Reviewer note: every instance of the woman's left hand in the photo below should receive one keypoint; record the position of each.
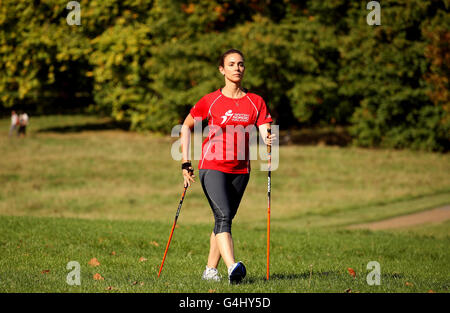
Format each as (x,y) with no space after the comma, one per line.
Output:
(270,139)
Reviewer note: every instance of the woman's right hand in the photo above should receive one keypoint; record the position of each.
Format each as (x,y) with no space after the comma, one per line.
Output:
(188,176)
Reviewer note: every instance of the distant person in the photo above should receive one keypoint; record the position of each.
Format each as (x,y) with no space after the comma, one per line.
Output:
(23,122)
(14,123)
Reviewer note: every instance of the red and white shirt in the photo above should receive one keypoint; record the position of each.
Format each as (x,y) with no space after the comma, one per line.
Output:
(226,149)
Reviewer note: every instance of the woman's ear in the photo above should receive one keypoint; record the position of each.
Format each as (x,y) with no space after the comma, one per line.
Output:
(221,70)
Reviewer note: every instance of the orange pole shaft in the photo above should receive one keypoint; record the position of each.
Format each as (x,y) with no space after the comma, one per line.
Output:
(167,248)
(268,242)
(173,228)
(268,206)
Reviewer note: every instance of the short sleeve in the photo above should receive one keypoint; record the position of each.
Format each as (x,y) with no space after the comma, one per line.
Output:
(200,109)
(264,114)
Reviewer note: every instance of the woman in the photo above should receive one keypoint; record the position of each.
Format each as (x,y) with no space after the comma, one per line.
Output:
(224,175)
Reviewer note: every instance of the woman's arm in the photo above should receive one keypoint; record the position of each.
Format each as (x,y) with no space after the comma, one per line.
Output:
(185,134)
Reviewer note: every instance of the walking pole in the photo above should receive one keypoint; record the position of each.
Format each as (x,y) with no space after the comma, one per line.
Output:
(268,202)
(173,227)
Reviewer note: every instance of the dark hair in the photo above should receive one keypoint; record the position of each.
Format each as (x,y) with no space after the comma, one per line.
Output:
(231,51)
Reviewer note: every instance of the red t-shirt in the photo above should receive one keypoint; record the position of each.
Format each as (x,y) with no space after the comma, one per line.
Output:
(228,151)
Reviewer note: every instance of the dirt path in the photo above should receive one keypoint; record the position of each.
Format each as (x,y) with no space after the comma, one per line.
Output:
(431,216)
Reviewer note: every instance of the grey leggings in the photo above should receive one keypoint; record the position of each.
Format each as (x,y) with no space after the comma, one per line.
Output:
(224,192)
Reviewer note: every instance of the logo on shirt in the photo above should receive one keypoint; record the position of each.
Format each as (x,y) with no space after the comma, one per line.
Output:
(235,117)
(241,118)
(227,116)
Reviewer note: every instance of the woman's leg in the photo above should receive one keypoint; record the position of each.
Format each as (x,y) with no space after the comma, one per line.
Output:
(236,187)
(224,193)
(214,252)
(220,245)
(224,242)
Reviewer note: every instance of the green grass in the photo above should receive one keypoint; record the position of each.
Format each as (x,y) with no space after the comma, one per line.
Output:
(302,261)
(77,188)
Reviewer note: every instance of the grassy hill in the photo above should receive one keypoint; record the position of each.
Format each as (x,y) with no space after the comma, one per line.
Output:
(79,187)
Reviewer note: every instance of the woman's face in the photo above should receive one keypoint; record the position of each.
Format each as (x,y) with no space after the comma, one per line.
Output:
(233,67)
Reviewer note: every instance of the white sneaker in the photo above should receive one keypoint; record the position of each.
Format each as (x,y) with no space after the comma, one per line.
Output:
(211,274)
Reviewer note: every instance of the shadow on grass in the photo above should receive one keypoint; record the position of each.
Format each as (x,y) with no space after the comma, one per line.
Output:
(290,276)
(100,126)
(338,136)
(314,275)
(305,275)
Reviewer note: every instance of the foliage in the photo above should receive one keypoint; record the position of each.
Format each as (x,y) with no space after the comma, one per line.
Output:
(387,77)
(315,62)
